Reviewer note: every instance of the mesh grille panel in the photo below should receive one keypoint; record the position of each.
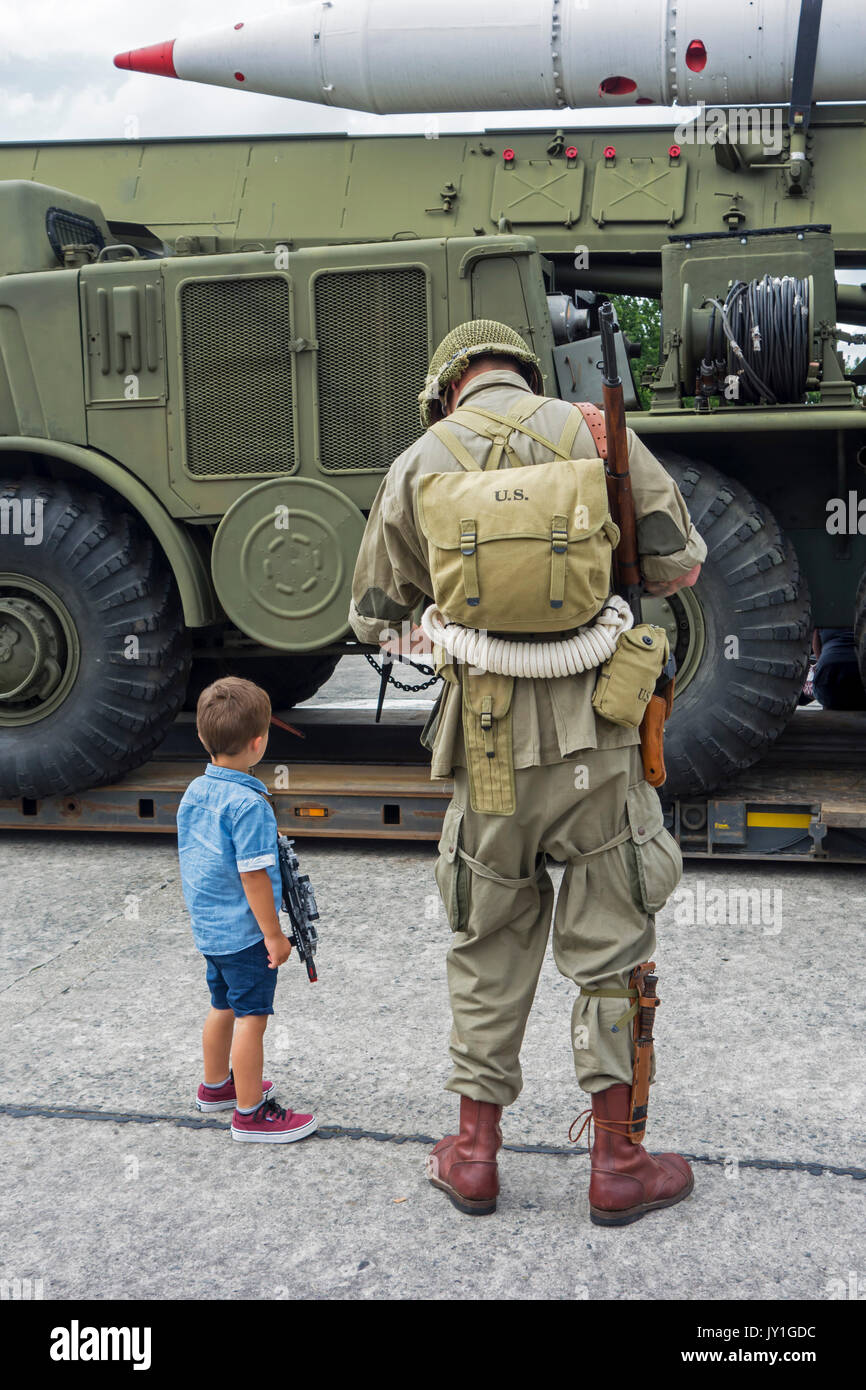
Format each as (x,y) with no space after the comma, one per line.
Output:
(237,377)
(71,229)
(373,357)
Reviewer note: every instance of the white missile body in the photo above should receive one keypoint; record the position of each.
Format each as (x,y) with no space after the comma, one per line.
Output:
(399,56)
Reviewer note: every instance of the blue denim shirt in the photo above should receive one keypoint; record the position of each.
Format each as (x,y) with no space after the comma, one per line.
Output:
(225,827)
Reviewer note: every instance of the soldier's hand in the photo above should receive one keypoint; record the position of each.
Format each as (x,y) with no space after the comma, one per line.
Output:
(663,588)
(418,644)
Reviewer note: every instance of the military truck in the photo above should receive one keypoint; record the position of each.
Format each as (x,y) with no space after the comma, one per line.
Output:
(211,352)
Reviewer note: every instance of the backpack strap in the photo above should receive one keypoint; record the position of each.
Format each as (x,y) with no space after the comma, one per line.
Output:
(455,447)
(595,419)
(484,423)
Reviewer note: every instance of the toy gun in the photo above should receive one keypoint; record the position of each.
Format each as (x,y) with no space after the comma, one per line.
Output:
(300,903)
(626,560)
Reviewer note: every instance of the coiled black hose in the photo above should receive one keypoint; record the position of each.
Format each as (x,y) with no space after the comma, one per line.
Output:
(766,323)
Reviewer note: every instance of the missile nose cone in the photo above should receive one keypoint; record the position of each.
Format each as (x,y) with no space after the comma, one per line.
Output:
(158,59)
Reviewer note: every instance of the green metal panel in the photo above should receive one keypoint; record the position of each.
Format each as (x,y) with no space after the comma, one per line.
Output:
(40,355)
(310,190)
(640,189)
(124,340)
(538,192)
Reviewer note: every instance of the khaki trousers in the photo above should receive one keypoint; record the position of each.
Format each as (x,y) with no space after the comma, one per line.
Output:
(499,899)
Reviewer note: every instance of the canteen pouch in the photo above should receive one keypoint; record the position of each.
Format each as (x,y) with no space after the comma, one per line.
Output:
(487,735)
(626,682)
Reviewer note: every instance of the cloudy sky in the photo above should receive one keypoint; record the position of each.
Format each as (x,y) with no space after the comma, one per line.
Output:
(58,81)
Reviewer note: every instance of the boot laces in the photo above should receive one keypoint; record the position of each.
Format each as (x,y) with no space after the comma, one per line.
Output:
(609,1125)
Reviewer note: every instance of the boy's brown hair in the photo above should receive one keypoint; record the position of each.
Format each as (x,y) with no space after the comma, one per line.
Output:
(230,714)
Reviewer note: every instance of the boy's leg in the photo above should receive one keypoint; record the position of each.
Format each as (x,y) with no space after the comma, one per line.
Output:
(248,1059)
(216,1042)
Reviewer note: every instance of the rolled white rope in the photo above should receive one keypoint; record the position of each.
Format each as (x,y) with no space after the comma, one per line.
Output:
(590,647)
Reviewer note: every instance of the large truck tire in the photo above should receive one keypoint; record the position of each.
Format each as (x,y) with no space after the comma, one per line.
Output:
(94,656)
(742,635)
(860,627)
(288,680)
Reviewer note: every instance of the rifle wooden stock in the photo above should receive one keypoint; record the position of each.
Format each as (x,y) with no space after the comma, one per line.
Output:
(626,562)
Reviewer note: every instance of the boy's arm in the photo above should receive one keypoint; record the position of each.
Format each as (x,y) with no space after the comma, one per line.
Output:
(254,833)
(260,896)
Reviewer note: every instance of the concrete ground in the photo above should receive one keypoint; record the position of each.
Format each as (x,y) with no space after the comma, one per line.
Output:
(115,1187)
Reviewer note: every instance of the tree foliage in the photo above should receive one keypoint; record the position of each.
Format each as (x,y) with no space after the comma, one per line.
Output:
(641,322)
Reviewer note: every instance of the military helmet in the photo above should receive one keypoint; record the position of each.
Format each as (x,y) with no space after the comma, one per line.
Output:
(480,338)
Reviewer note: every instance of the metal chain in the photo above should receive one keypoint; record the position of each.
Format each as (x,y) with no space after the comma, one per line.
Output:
(398,685)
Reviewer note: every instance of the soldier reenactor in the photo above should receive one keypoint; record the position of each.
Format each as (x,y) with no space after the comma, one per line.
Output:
(518,558)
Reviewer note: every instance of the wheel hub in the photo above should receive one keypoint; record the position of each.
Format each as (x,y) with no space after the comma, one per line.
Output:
(38,650)
(682,618)
(29,650)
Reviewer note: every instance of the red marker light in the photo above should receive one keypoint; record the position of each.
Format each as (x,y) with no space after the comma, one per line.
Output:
(610,152)
(239,77)
(674,151)
(509,156)
(571,152)
(157,59)
(239,26)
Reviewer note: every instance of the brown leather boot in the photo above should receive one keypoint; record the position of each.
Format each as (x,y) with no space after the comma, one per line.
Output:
(626,1181)
(464,1164)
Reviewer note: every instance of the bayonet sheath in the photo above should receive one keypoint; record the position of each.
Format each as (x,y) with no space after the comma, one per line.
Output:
(645,982)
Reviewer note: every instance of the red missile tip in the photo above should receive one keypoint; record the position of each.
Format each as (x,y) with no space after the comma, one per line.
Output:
(508,156)
(158,59)
(571,152)
(674,151)
(610,152)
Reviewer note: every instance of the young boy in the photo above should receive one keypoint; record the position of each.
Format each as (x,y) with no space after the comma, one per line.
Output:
(227,842)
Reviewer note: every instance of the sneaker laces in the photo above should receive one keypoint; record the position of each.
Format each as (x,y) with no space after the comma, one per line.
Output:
(267,1109)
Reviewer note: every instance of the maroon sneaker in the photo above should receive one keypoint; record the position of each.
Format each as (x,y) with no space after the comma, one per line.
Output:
(270,1124)
(225,1097)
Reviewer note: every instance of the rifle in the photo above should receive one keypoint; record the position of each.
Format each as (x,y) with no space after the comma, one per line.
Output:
(626,560)
(300,903)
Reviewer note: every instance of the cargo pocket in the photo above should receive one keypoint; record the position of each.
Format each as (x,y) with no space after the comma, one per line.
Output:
(655,861)
(452,874)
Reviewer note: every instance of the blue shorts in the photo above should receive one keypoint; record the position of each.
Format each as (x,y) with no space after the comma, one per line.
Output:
(243,982)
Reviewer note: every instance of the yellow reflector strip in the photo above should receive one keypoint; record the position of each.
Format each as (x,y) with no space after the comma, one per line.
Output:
(779,820)
(310,811)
